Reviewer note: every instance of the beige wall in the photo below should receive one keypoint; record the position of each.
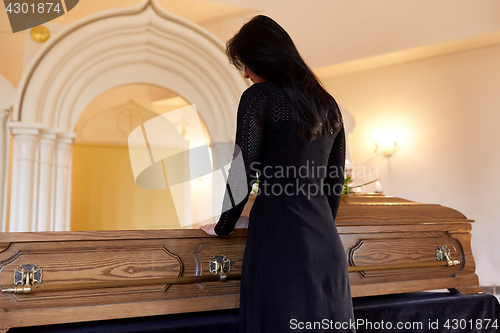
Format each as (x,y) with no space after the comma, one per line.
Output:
(446,110)
(328,32)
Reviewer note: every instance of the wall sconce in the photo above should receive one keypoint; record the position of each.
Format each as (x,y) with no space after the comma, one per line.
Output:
(385,143)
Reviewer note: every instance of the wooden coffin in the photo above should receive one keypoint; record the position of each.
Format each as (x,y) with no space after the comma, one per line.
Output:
(390,244)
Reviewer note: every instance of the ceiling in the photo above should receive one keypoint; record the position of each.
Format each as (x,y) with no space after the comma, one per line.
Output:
(329,32)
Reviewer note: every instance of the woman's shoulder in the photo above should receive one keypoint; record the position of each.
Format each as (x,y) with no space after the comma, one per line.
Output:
(261,87)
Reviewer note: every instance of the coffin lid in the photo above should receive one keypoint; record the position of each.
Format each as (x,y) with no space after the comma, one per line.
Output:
(375,208)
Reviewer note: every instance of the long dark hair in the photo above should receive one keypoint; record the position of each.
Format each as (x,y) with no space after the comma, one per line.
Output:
(268,51)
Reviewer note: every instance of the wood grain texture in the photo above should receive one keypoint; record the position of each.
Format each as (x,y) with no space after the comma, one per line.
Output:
(47,316)
(59,236)
(374,230)
(95,261)
(411,285)
(4,246)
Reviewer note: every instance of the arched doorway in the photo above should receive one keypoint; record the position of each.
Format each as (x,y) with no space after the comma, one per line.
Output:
(140,44)
(104,194)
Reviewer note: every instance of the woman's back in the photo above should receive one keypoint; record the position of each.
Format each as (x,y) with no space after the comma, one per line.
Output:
(294,268)
(289,130)
(286,155)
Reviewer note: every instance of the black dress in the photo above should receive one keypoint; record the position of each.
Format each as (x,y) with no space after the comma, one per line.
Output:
(294,271)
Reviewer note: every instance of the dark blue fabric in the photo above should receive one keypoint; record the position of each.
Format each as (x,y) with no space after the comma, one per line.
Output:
(437,312)
(224,321)
(421,307)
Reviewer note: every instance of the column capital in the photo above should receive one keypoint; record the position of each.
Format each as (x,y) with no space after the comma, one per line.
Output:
(49,133)
(66,137)
(19,127)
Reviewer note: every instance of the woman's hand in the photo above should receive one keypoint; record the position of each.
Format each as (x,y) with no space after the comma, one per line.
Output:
(242,222)
(209,229)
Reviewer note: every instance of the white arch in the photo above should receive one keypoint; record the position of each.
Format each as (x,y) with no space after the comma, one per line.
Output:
(7,96)
(139,44)
(7,93)
(144,44)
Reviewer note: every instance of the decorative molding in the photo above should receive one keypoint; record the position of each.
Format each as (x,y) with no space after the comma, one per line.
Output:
(409,55)
(25,128)
(181,264)
(414,249)
(139,44)
(350,255)
(144,44)
(198,264)
(7,94)
(10,260)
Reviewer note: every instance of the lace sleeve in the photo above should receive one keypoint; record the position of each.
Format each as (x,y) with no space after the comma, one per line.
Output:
(334,181)
(249,138)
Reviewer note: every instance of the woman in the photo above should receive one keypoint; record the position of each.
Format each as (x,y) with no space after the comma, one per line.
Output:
(290,131)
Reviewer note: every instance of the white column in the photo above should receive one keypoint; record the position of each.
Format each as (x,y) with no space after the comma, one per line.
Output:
(68,187)
(23,186)
(63,182)
(4,157)
(45,179)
